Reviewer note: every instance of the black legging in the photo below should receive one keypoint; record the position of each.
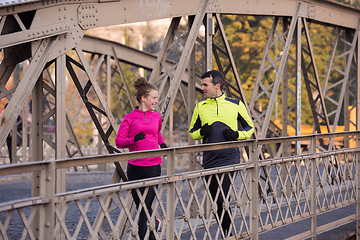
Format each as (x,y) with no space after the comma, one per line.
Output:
(9,145)
(137,173)
(213,188)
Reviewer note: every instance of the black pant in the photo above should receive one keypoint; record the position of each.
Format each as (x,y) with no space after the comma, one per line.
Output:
(9,145)
(137,173)
(214,188)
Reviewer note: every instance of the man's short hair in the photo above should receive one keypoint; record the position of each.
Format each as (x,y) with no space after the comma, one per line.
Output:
(216,77)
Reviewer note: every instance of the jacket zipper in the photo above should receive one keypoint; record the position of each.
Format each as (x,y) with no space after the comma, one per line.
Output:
(145,117)
(217,108)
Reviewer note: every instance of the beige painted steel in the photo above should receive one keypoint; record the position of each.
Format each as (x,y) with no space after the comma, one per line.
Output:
(313,184)
(93,14)
(51,15)
(26,84)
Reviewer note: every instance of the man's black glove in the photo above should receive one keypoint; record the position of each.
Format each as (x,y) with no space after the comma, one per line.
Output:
(139,136)
(205,130)
(163,145)
(230,135)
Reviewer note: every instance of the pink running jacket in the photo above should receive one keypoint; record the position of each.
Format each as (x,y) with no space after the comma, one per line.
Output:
(135,122)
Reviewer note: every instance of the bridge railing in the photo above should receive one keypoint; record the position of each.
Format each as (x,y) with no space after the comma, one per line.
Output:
(263,195)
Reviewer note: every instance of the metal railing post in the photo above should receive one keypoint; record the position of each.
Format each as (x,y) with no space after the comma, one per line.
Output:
(313,189)
(47,212)
(170,195)
(254,186)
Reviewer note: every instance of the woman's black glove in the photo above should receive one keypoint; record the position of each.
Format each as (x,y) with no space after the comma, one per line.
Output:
(163,145)
(230,135)
(139,136)
(205,130)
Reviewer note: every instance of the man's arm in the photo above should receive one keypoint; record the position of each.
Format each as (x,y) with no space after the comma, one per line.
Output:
(246,122)
(195,125)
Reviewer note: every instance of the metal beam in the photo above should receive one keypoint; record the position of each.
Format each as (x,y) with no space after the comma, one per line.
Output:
(27,83)
(93,13)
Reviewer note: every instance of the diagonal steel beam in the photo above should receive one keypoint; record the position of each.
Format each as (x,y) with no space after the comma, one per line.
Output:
(27,83)
(283,60)
(184,59)
(97,89)
(123,79)
(164,51)
(231,59)
(320,111)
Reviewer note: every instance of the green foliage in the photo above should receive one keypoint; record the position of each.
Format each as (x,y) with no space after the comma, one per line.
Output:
(352,3)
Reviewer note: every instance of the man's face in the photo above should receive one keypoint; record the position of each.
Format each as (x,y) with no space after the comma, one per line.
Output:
(210,90)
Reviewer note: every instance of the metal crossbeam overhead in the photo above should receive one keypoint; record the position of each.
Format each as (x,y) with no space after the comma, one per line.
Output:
(122,12)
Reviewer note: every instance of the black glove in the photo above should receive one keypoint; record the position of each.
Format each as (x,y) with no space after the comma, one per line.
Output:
(230,135)
(163,145)
(205,130)
(139,136)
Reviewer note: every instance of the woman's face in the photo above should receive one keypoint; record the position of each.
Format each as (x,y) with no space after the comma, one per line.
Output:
(149,103)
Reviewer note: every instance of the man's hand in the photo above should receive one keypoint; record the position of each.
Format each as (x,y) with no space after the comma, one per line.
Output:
(230,135)
(205,130)
(163,145)
(139,136)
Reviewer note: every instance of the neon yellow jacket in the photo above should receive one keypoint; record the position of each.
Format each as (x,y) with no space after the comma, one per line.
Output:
(220,113)
(225,110)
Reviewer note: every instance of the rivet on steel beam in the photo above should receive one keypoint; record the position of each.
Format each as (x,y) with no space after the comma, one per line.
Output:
(48,178)
(253,217)
(47,224)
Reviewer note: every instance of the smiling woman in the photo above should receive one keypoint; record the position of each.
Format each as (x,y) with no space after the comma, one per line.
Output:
(140,130)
